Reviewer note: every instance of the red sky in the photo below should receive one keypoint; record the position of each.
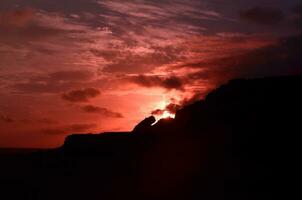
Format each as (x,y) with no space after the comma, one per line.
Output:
(74,66)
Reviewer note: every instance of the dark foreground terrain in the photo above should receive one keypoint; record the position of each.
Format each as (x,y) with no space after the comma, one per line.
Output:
(241,142)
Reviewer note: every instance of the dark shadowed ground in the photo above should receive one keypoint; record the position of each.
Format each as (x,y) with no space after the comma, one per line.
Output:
(241,142)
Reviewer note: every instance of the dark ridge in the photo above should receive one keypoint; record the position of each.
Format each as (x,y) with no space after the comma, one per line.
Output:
(239,143)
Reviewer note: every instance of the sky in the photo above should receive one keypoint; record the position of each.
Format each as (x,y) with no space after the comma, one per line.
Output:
(89,66)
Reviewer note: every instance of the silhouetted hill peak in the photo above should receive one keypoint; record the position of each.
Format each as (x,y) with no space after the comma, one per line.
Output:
(233,145)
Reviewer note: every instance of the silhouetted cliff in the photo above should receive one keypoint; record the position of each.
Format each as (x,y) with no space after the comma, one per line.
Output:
(235,144)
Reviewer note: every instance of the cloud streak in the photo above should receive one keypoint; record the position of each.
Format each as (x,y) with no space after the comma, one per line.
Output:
(169,82)
(81,95)
(102,111)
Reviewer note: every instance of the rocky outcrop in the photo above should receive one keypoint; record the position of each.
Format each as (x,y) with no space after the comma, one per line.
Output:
(145,125)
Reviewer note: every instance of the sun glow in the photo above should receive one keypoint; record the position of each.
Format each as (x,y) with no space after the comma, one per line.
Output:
(167,114)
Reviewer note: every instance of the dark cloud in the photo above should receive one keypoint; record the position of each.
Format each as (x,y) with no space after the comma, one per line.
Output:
(158,112)
(298,9)
(262,15)
(173,107)
(22,26)
(6,119)
(170,82)
(81,95)
(103,111)
(297,18)
(196,97)
(16,18)
(75,128)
